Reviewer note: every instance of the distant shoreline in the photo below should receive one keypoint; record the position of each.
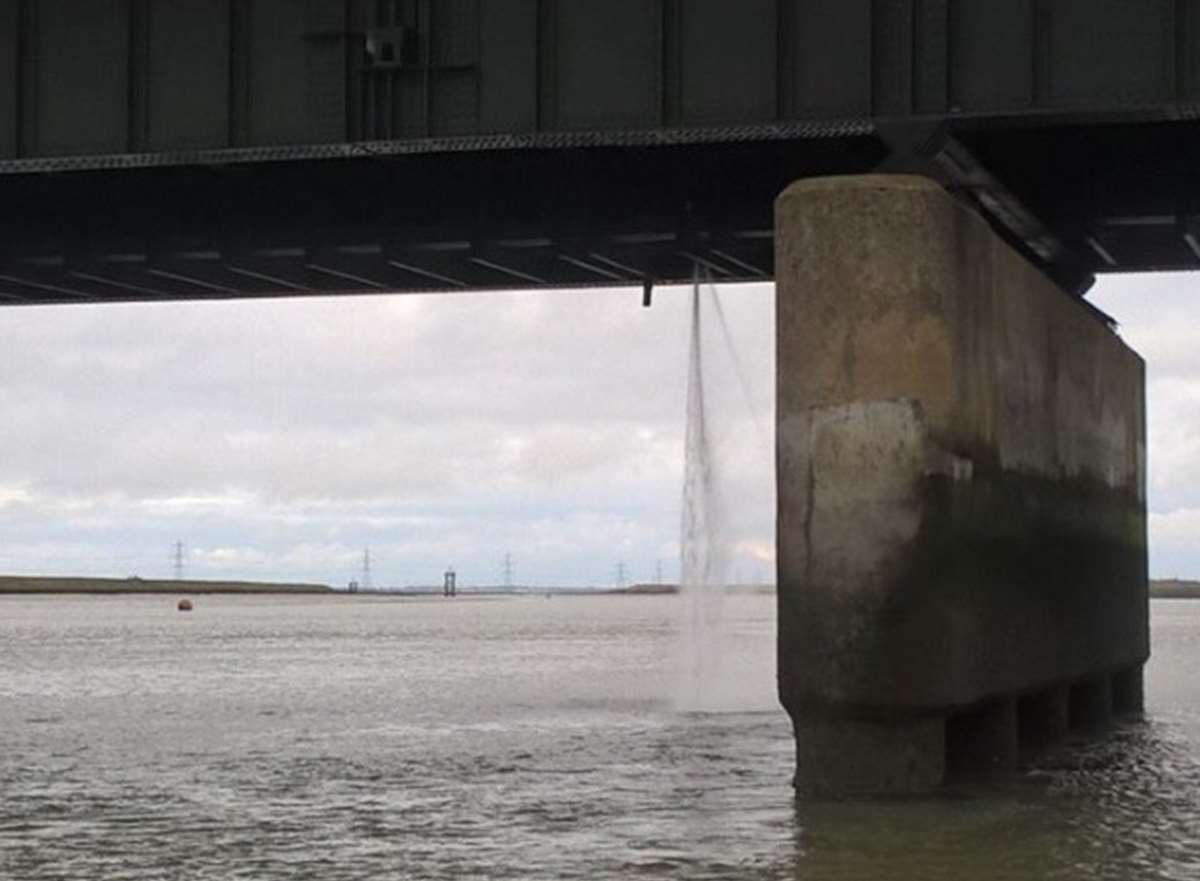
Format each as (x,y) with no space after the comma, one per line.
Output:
(674,588)
(21,584)
(1174,589)
(1167,588)
(643,589)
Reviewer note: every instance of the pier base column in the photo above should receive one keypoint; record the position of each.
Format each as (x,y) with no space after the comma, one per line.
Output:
(885,758)
(1092,703)
(1128,692)
(983,740)
(1044,718)
(960,474)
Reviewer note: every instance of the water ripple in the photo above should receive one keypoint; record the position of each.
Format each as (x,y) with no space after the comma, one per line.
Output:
(142,755)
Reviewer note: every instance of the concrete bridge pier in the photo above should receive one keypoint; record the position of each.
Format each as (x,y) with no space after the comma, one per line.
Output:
(961,485)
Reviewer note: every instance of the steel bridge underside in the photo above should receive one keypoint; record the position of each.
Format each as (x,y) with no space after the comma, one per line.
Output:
(243,148)
(1077,198)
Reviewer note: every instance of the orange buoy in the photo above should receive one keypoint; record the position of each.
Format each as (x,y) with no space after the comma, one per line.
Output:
(185,605)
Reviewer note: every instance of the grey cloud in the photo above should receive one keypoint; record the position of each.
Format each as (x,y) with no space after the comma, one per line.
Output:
(1157,316)
(280,437)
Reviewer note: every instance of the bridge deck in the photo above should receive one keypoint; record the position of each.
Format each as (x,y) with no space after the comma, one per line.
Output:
(227,148)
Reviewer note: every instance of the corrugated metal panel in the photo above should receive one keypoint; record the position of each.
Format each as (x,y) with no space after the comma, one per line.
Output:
(383,49)
(409,108)
(278,71)
(930,86)
(294,74)
(1188,50)
(454,33)
(508,65)
(729,66)
(188,75)
(992,51)
(454,104)
(405,92)
(108,77)
(608,63)
(325,42)
(137,130)
(832,58)
(892,57)
(80,87)
(454,67)
(9,27)
(1110,51)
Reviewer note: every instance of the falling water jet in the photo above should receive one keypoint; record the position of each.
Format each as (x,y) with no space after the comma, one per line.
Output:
(704,562)
(718,438)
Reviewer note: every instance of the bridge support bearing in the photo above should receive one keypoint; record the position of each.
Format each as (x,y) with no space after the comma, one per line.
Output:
(960,470)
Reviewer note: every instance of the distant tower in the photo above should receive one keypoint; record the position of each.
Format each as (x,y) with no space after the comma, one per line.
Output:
(177,560)
(366,569)
(508,567)
(658,571)
(449,583)
(621,574)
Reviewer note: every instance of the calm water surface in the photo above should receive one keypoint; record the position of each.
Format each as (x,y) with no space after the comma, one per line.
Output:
(338,738)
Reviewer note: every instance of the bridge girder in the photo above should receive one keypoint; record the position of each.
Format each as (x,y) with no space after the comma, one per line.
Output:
(285,147)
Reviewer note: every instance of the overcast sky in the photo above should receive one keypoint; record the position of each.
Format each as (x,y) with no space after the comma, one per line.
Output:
(277,439)
(1159,316)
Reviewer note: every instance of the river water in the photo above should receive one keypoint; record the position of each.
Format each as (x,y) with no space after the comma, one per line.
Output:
(349,737)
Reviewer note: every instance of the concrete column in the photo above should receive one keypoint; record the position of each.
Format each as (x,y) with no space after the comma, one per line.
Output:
(889,758)
(1043,719)
(960,471)
(1092,703)
(983,740)
(1128,692)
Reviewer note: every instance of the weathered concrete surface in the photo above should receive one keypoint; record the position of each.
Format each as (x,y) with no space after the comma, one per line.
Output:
(961,483)
(1045,716)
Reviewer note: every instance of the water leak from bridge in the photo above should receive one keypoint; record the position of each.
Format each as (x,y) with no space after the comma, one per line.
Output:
(719,408)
